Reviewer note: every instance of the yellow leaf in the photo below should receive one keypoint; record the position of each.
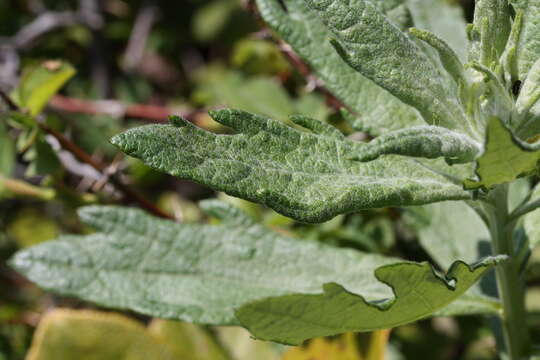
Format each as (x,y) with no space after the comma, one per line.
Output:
(187,341)
(92,335)
(342,348)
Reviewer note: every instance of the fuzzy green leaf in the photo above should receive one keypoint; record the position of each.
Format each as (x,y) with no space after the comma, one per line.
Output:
(198,273)
(450,27)
(490,31)
(303,175)
(452,230)
(528,45)
(382,53)
(424,141)
(448,57)
(505,158)
(379,111)
(528,105)
(418,292)
(192,272)
(531,222)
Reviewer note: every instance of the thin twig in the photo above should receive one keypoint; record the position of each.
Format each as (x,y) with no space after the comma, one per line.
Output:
(153,113)
(44,23)
(114,108)
(114,178)
(313,82)
(144,21)
(10,103)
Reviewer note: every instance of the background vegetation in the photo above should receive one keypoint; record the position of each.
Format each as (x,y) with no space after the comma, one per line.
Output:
(136,62)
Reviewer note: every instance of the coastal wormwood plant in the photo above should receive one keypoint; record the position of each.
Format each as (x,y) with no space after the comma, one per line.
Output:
(454,113)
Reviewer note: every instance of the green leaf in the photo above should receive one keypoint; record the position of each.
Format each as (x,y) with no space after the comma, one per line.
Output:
(490,31)
(528,45)
(424,141)
(186,341)
(379,111)
(42,157)
(527,123)
(211,19)
(379,51)
(7,152)
(449,231)
(197,273)
(302,175)
(505,158)
(448,57)
(531,222)
(450,27)
(40,83)
(418,292)
(87,335)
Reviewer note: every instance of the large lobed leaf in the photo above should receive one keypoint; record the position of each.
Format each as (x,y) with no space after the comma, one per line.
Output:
(419,291)
(202,273)
(505,157)
(300,27)
(307,176)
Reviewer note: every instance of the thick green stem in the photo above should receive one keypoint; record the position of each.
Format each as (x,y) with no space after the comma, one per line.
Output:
(511,285)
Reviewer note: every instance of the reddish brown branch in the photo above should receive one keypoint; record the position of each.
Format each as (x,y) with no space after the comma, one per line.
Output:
(298,63)
(306,72)
(153,113)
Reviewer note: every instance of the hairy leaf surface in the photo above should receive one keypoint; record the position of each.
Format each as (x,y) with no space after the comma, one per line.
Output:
(382,53)
(452,230)
(531,222)
(197,273)
(300,174)
(450,27)
(299,26)
(528,105)
(528,45)
(423,141)
(418,289)
(505,158)
(490,31)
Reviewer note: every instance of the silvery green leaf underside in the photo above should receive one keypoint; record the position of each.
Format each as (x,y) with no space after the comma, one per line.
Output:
(203,273)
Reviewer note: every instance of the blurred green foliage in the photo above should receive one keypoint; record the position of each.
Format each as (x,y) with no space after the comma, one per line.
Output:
(199,54)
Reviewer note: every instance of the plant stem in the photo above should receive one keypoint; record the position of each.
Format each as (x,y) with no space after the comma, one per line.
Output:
(511,285)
